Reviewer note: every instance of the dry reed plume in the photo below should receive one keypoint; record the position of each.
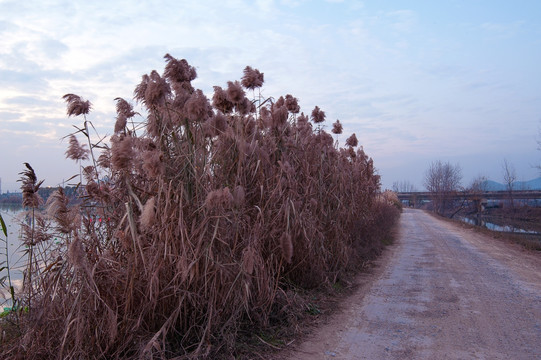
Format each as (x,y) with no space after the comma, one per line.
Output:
(210,210)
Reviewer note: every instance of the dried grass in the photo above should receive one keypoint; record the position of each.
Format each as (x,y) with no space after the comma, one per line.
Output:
(240,203)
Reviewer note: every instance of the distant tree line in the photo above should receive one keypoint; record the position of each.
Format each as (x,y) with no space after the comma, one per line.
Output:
(443,181)
(11,198)
(44,193)
(403,186)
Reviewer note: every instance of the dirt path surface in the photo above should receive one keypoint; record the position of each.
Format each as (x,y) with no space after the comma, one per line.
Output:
(442,292)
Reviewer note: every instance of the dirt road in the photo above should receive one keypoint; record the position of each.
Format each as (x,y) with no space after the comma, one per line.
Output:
(442,292)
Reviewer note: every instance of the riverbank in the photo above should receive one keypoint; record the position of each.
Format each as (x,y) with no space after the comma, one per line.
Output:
(498,223)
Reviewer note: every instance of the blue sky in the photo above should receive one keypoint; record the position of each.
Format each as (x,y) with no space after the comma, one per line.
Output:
(417,81)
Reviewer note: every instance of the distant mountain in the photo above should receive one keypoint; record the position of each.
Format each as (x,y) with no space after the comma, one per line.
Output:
(534,184)
(490,185)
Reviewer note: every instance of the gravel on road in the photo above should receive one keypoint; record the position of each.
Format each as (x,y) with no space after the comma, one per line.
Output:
(441,292)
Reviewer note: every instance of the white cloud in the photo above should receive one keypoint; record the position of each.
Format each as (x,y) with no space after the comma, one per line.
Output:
(502,30)
(402,20)
(400,85)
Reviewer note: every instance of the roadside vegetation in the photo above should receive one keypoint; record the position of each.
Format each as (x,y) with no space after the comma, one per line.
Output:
(197,223)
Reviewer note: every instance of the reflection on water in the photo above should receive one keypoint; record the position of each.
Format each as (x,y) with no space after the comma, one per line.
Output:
(12,215)
(480,221)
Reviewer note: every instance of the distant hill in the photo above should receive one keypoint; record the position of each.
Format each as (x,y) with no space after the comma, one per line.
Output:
(534,184)
(490,185)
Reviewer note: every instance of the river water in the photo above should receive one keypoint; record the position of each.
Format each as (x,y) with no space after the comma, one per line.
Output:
(12,215)
(484,222)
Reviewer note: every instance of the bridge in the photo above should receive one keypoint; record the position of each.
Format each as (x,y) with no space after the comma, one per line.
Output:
(477,197)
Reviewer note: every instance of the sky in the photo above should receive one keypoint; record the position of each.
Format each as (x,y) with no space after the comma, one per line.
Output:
(416,81)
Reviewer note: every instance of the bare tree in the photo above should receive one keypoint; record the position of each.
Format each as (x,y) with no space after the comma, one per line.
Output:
(478,185)
(403,186)
(442,180)
(509,177)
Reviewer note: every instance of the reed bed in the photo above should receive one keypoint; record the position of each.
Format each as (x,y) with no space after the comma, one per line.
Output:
(211,211)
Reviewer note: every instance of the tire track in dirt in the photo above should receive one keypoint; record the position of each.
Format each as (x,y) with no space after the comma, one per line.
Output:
(444,293)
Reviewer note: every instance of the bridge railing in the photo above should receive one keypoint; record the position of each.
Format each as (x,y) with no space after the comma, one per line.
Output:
(470,195)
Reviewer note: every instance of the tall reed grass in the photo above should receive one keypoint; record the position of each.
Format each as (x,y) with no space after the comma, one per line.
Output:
(210,210)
